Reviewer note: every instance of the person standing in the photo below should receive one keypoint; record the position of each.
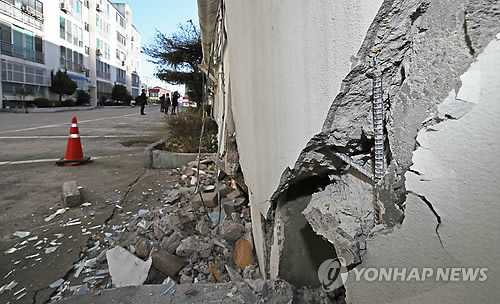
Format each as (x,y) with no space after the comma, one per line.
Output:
(167,103)
(162,103)
(175,101)
(143,101)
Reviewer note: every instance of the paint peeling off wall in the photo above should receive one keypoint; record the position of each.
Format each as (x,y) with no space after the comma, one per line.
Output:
(455,181)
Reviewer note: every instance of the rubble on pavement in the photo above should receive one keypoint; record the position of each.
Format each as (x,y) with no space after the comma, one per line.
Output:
(170,241)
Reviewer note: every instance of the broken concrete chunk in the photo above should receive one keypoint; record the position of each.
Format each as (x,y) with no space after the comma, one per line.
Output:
(202,226)
(142,247)
(209,198)
(192,245)
(71,194)
(234,194)
(21,234)
(52,216)
(343,214)
(232,231)
(167,263)
(125,268)
(57,283)
(170,243)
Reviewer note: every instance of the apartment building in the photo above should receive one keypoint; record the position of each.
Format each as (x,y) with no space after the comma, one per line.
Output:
(93,40)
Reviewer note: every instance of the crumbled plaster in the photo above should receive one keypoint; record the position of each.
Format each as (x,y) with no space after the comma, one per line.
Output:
(343,214)
(422,47)
(453,180)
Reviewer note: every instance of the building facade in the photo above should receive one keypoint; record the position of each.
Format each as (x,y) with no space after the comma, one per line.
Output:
(156,92)
(93,40)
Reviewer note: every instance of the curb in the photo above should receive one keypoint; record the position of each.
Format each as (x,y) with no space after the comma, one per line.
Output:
(154,158)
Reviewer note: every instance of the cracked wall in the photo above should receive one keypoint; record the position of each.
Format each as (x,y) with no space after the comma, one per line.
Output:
(455,171)
(284,72)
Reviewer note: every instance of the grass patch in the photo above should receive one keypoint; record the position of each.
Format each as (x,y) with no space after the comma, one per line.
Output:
(185,131)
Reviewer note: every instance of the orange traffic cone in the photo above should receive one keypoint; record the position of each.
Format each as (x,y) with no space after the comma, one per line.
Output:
(74,153)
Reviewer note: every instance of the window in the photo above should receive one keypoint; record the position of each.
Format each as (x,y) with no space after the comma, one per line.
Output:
(14,72)
(78,7)
(62,28)
(121,76)
(121,39)
(86,3)
(86,26)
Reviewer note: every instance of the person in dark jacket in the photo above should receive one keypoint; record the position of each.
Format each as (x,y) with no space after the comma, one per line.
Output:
(162,103)
(143,100)
(175,101)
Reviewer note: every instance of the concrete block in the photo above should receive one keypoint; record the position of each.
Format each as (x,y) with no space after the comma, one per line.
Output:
(71,194)
(125,268)
(169,264)
(210,199)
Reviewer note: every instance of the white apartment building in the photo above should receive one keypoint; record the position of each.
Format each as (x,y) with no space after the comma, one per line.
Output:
(93,40)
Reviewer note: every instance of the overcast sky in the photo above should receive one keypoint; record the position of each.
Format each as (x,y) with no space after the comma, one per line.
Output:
(164,15)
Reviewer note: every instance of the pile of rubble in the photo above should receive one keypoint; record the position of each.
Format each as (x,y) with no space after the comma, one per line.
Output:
(186,238)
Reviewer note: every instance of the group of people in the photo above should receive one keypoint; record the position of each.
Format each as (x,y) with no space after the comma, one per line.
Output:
(165,102)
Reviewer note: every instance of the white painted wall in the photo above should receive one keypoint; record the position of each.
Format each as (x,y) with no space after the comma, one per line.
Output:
(287,61)
(460,167)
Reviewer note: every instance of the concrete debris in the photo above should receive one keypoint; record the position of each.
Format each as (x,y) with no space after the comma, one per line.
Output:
(167,263)
(52,216)
(125,268)
(209,198)
(21,234)
(142,247)
(71,194)
(343,214)
(216,218)
(8,286)
(57,283)
(232,231)
(50,250)
(11,250)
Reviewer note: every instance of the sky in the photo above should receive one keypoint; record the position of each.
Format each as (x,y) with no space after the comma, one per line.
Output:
(164,15)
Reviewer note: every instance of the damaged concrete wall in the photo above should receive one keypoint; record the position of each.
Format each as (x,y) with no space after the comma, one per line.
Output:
(286,63)
(455,171)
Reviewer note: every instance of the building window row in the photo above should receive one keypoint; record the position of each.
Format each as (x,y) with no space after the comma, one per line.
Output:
(121,39)
(73,7)
(27,11)
(20,73)
(21,43)
(70,32)
(120,20)
(135,80)
(121,76)
(102,25)
(103,49)
(103,69)
(104,90)
(71,60)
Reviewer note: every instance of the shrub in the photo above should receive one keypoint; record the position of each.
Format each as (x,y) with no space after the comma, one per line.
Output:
(82,98)
(120,93)
(185,131)
(43,102)
(68,103)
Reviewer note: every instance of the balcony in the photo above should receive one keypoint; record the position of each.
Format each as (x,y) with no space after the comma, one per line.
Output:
(121,80)
(103,75)
(21,52)
(26,15)
(73,66)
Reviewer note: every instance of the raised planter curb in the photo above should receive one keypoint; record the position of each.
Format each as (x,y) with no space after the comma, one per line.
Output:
(156,158)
